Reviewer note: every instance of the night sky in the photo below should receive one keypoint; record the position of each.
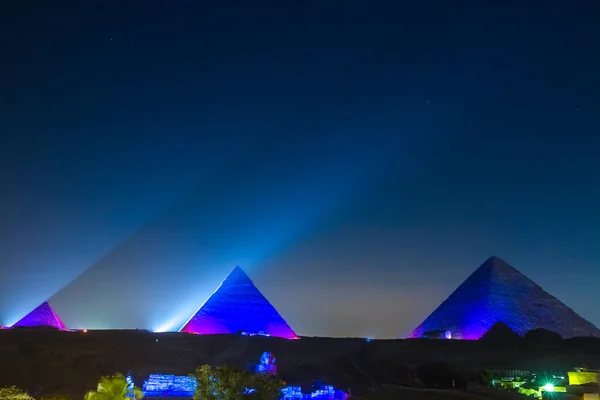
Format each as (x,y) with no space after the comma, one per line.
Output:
(358,159)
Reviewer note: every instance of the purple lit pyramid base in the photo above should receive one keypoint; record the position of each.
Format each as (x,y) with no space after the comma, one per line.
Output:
(238,306)
(497,292)
(42,316)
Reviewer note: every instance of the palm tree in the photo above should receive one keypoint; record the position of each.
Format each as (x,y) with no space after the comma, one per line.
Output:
(114,387)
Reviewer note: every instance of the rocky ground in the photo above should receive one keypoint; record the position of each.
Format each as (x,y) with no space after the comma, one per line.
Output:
(70,363)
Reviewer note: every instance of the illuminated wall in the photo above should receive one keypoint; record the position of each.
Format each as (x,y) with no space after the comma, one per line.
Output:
(496,292)
(43,315)
(321,393)
(159,385)
(582,378)
(238,306)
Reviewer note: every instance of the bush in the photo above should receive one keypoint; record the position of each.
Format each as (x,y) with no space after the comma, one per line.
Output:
(113,387)
(228,383)
(529,392)
(485,377)
(14,393)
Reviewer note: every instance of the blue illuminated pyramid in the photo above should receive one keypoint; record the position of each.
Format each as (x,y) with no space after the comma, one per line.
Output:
(497,292)
(42,316)
(238,306)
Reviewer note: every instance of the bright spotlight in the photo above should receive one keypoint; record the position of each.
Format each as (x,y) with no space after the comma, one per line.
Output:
(548,387)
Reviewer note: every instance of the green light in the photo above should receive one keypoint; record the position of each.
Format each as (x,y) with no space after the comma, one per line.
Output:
(548,387)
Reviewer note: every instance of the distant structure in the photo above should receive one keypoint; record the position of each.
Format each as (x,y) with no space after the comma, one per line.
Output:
(497,292)
(42,316)
(584,376)
(500,334)
(237,306)
(318,391)
(159,385)
(441,334)
(267,364)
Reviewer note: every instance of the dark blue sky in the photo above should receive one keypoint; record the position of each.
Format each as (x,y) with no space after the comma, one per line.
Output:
(358,159)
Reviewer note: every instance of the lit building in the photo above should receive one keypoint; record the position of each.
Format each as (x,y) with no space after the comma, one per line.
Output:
(42,316)
(497,292)
(238,307)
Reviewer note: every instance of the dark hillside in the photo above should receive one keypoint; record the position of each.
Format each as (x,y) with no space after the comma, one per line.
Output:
(70,363)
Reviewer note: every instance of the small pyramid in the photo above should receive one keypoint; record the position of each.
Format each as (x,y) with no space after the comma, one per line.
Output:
(497,292)
(541,335)
(43,315)
(238,306)
(501,334)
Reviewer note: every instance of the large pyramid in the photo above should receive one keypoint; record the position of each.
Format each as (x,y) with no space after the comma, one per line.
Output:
(238,306)
(43,315)
(496,292)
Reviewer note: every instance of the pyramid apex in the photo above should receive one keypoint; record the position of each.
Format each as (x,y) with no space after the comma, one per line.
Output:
(494,259)
(496,263)
(237,273)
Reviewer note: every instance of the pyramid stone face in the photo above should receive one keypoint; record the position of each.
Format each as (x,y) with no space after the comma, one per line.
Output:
(238,306)
(43,315)
(496,292)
